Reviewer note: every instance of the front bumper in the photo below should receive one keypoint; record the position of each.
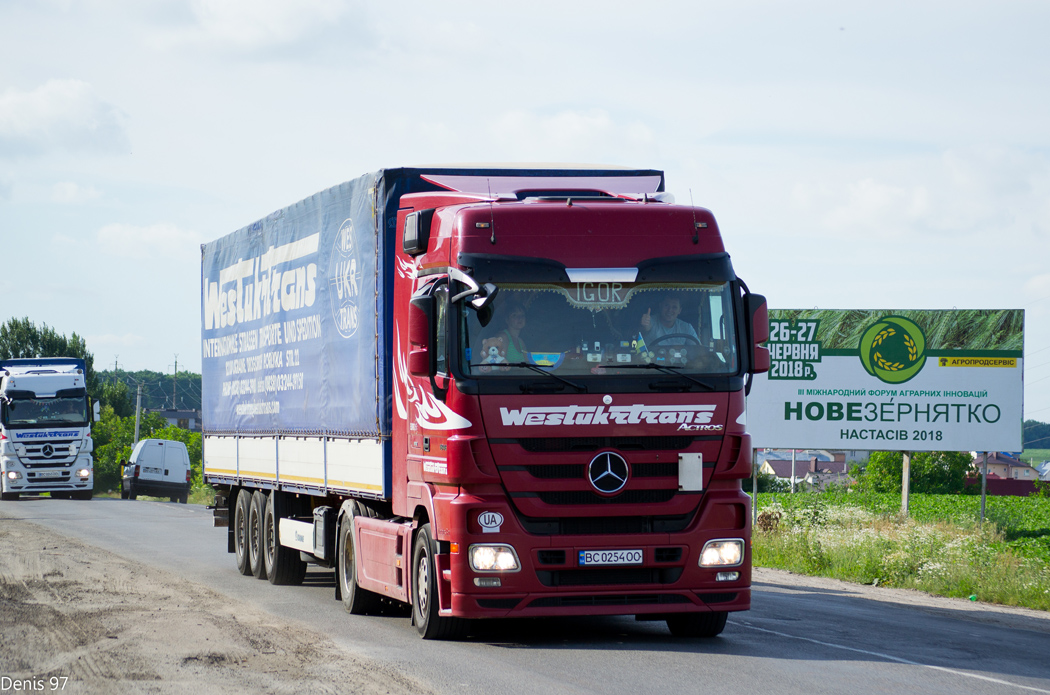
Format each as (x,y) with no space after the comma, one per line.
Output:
(64,478)
(551,581)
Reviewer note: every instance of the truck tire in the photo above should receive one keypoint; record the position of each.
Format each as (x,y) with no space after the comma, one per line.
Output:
(60,495)
(356,600)
(82,494)
(697,624)
(256,513)
(283,565)
(9,496)
(429,623)
(241,513)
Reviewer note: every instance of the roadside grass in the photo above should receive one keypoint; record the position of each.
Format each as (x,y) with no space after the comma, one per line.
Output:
(941,548)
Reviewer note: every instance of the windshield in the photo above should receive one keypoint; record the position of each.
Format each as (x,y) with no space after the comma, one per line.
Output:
(44,412)
(603,328)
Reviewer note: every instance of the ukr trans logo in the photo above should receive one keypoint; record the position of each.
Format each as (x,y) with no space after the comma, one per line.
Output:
(344,281)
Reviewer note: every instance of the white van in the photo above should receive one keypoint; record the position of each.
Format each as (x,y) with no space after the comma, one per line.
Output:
(158,468)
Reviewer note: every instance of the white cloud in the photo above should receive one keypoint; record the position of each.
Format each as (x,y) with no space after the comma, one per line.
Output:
(255,23)
(569,136)
(158,241)
(71,193)
(63,115)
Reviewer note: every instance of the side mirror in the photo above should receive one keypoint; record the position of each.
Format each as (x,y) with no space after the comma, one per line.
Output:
(755,306)
(420,321)
(416,235)
(97,410)
(483,303)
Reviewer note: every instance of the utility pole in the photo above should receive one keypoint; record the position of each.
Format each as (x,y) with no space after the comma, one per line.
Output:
(138,409)
(174,379)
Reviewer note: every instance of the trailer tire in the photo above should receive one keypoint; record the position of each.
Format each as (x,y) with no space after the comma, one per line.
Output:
(425,610)
(284,566)
(241,513)
(256,513)
(697,624)
(356,601)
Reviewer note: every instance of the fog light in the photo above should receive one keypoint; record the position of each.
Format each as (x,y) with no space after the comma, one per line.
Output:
(83,472)
(727,576)
(722,553)
(493,558)
(13,475)
(487,581)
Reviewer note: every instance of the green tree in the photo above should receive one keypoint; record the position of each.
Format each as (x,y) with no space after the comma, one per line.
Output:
(115,394)
(932,472)
(21,338)
(1036,435)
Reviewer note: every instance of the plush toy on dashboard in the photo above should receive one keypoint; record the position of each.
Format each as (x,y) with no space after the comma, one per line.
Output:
(493,350)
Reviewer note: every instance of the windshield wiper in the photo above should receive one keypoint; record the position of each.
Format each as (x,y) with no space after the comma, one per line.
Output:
(536,369)
(667,370)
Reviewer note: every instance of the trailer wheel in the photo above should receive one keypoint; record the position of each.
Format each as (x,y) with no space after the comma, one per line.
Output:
(356,600)
(429,623)
(256,513)
(241,513)
(283,565)
(697,624)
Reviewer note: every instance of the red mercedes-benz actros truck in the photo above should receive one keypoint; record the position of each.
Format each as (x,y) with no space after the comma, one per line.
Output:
(486,393)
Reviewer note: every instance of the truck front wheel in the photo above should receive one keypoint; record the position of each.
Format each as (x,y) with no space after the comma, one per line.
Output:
(697,624)
(256,513)
(241,512)
(356,600)
(283,565)
(9,496)
(425,615)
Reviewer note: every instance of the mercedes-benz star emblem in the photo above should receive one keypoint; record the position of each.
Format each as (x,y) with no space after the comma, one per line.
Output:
(608,473)
(48,451)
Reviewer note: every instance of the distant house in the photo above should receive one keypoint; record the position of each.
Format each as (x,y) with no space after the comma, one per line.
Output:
(1044,470)
(1004,466)
(815,471)
(183,419)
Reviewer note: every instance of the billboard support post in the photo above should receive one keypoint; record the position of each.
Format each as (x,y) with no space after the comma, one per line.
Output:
(984,483)
(905,481)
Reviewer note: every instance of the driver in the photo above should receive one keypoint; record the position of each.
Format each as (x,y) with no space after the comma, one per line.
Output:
(667,323)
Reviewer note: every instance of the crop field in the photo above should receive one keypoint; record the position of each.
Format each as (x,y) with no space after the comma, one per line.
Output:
(941,547)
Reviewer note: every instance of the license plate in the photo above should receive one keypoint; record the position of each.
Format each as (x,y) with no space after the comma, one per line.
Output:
(153,471)
(49,474)
(610,557)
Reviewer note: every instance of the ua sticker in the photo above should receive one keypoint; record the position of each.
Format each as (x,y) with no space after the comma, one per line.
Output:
(490,522)
(893,349)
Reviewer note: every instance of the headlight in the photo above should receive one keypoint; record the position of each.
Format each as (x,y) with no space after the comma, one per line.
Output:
(83,472)
(722,553)
(13,475)
(493,558)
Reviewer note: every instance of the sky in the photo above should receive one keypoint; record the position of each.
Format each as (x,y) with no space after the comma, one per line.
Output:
(856,155)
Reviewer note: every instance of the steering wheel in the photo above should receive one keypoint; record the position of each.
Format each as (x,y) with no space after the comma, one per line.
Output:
(692,339)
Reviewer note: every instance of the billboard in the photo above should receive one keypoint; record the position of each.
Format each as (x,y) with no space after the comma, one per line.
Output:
(910,380)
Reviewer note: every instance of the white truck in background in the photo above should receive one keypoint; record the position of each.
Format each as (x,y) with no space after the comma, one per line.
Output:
(45,428)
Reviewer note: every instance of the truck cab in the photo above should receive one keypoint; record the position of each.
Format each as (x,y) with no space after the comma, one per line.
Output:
(45,428)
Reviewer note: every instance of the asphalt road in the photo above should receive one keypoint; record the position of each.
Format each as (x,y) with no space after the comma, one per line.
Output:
(802,636)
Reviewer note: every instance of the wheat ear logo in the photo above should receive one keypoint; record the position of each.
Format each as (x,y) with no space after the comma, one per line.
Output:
(893,349)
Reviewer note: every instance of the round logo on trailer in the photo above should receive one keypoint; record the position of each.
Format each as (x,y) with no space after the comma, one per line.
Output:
(344,281)
(608,473)
(893,349)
